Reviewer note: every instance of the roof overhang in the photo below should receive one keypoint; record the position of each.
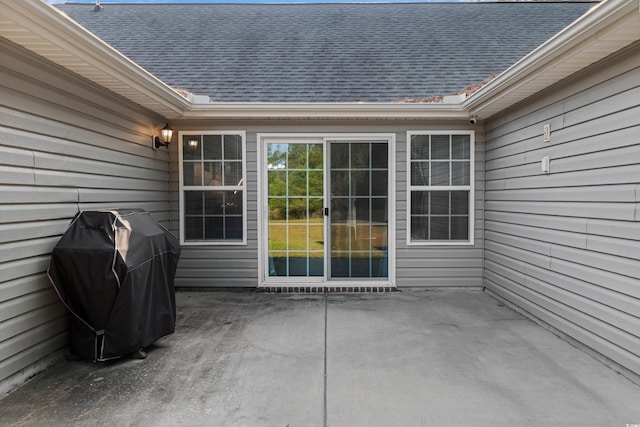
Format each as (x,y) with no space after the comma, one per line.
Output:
(608,27)
(46,31)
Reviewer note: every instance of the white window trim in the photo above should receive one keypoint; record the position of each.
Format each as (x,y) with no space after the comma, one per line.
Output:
(263,211)
(243,242)
(471,189)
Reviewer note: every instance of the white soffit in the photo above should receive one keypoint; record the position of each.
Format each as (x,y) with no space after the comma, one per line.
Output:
(605,29)
(46,31)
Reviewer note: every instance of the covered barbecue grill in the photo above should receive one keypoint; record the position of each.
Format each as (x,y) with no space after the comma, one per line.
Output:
(114,271)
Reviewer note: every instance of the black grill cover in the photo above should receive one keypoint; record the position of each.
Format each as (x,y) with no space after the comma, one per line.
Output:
(114,271)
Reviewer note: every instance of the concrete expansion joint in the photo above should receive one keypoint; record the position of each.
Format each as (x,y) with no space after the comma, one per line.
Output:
(324,392)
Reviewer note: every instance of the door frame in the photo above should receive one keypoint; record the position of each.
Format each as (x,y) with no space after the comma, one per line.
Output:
(263,211)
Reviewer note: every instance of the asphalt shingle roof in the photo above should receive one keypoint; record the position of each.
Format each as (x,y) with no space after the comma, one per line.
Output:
(325,52)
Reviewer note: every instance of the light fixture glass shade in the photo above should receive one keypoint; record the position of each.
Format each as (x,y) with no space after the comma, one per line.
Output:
(167,133)
(192,144)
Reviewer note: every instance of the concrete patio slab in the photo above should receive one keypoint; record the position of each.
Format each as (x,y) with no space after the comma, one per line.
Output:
(236,359)
(461,359)
(411,358)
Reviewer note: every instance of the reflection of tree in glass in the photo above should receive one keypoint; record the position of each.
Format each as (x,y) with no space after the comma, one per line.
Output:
(297,156)
(291,182)
(315,156)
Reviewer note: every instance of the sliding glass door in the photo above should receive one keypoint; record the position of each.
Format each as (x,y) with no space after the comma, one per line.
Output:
(327,213)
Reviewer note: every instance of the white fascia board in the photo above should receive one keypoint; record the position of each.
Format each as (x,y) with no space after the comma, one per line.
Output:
(351,110)
(606,28)
(50,33)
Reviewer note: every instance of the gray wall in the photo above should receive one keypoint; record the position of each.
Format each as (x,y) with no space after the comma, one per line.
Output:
(220,266)
(566,246)
(65,146)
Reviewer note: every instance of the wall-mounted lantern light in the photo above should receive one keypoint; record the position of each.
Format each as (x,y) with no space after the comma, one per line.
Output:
(166,133)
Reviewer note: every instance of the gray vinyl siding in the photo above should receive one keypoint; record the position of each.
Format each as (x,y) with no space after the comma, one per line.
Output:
(65,146)
(416,266)
(566,246)
(440,266)
(219,265)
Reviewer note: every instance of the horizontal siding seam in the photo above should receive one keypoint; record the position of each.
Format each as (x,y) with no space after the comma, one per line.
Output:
(494,234)
(555,263)
(525,236)
(594,251)
(552,267)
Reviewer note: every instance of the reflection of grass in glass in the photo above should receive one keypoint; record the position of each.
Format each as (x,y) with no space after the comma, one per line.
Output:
(362,238)
(299,234)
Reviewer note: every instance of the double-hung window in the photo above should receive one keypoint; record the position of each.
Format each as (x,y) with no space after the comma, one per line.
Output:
(213,187)
(440,190)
